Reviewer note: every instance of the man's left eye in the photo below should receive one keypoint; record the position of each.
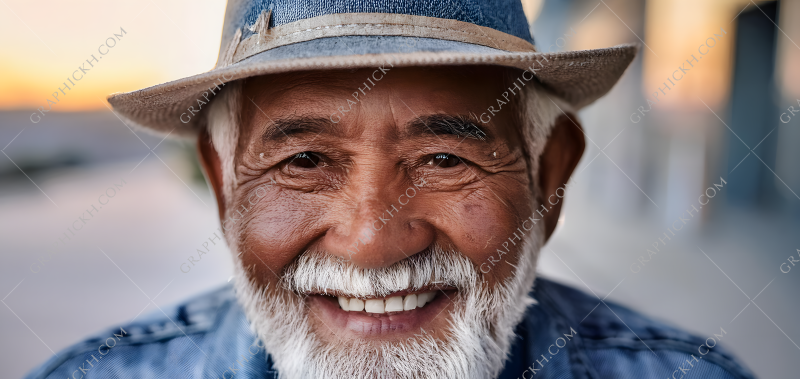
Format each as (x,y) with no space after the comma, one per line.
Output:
(444,160)
(305,159)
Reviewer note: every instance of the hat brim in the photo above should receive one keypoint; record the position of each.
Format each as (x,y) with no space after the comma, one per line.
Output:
(577,77)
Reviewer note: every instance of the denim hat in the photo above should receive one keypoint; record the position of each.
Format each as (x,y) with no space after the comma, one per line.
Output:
(275,36)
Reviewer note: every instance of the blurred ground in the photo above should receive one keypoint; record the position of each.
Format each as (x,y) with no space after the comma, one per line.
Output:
(128,252)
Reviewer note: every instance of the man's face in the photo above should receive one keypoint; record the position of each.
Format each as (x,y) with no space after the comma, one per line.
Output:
(378,191)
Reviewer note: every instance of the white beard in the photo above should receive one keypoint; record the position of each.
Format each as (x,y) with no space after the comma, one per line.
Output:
(479,333)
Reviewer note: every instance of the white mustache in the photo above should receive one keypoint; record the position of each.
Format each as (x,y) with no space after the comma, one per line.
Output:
(321,272)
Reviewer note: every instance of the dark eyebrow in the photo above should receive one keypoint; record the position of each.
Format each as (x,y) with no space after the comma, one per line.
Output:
(459,126)
(281,129)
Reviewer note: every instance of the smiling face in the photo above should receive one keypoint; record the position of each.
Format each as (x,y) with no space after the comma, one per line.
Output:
(364,214)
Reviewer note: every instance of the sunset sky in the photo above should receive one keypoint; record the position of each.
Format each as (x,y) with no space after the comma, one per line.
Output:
(45,42)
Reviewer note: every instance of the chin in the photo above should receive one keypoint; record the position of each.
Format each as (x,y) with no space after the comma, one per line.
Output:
(402,321)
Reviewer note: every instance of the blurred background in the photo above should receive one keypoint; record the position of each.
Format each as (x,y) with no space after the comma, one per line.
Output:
(648,159)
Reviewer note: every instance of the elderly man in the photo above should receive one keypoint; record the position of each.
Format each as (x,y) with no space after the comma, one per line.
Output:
(386,174)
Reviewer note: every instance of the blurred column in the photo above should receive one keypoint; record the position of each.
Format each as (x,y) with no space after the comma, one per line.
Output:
(787,160)
(753,113)
(682,130)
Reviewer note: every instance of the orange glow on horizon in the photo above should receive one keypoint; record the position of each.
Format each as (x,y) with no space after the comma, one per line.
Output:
(161,42)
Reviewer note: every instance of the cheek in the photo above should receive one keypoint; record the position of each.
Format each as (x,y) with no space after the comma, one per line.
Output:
(479,225)
(278,231)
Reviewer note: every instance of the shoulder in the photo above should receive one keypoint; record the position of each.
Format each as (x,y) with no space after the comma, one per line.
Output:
(169,342)
(618,342)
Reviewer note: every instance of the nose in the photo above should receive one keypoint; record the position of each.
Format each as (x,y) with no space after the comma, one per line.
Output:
(379,233)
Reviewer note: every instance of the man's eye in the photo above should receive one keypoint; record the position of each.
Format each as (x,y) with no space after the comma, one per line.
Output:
(305,159)
(444,160)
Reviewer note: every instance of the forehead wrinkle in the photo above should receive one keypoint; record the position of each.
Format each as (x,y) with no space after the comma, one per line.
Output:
(300,90)
(312,113)
(375,119)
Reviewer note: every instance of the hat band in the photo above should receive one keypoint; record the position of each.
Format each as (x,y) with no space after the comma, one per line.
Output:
(367,24)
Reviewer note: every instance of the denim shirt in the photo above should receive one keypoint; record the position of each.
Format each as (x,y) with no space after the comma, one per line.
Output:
(209,337)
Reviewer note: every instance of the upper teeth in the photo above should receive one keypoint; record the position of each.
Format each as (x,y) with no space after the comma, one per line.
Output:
(392,304)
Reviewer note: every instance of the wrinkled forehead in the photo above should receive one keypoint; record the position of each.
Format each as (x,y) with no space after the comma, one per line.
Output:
(396,99)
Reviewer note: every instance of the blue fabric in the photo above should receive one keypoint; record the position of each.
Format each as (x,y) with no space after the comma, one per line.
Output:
(503,15)
(209,337)
(603,345)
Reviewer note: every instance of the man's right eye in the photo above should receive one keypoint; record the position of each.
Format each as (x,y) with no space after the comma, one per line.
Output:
(305,159)
(443,160)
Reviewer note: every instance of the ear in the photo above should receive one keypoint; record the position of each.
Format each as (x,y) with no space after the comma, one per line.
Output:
(212,168)
(558,160)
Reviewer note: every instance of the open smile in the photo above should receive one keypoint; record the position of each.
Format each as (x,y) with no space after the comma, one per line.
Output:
(400,312)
